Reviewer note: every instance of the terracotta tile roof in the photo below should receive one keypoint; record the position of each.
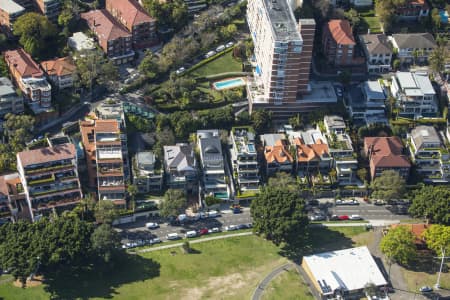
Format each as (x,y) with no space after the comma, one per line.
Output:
(341,31)
(58,152)
(416,229)
(23,63)
(59,67)
(107,126)
(104,26)
(386,152)
(129,12)
(311,152)
(278,153)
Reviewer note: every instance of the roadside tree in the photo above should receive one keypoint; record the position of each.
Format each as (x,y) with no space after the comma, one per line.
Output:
(278,215)
(388,186)
(105,212)
(173,203)
(398,245)
(105,242)
(437,238)
(432,203)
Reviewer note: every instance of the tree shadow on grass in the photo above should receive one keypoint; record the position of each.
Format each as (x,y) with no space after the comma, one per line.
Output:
(99,281)
(317,240)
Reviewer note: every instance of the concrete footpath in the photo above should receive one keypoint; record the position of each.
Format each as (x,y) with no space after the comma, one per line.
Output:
(265,282)
(194,242)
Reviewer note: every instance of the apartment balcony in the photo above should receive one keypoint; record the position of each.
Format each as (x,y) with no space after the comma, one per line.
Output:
(46,179)
(109,171)
(59,203)
(44,169)
(58,189)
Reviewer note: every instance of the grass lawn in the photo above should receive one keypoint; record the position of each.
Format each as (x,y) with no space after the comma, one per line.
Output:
(220,269)
(225,63)
(287,285)
(419,279)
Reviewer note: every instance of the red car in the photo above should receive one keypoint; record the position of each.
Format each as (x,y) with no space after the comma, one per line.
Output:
(203,231)
(343,218)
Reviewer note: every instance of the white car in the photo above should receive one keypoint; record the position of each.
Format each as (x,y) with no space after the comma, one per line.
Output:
(152,225)
(355,217)
(230,44)
(214,230)
(231,228)
(172,236)
(220,48)
(155,241)
(210,53)
(180,70)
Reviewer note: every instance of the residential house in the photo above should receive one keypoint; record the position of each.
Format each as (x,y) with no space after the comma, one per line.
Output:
(29,78)
(334,124)
(134,17)
(180,167)
(81,42)
(13,204)
(378,52)
(147,176)
(10,102)
(49,177)
(414,94)
(244,158)
(276,153)
(430,154)
(413,10)
(113,37)
(341,150)
(212,164)
(312,152)
(9,12)
(375,99)
(61,71)
(338,43)
(413,47)
(386,153)
(49,8)
(104,158)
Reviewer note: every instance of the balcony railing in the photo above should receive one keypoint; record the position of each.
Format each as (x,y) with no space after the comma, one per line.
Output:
(54,190)
(46,169)
(40,181)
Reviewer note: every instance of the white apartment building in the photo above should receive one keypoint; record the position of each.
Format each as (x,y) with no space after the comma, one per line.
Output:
(413,47)
(430,154)
(244,158)
(282,51)
(212,163)
(415,95)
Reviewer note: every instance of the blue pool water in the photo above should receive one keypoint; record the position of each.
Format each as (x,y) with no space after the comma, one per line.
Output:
(221,195)
(228,84)
(444,16)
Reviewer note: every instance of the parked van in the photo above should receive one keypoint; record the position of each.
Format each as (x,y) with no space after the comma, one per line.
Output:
(220,48)
(172,236)
(191,234)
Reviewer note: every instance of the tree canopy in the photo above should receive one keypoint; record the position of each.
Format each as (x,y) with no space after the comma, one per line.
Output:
(93,68)
(437,238)
(105,242)
(35,33)
(438,58)
(278,215)
(173,203)
(388,186)
(398,245)
(105,212)
(432,203)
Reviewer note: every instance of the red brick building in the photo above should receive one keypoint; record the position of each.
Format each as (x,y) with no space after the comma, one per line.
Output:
(386,153)
(338,43)
(133,16)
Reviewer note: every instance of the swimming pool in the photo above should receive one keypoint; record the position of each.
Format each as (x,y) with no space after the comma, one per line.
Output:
(229,83)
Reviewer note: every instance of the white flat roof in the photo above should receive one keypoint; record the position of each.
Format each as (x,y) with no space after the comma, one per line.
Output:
(406,80)
(424,83)
(349,269)
(11,7)
(374,90)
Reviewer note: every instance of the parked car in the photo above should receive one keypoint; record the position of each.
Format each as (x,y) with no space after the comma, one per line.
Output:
(180,70)
(334,218)
(249,225)
(229,44)
(426,289)
(155,241)
(242,226)
(213,214)
(220,48)
(172,236)
(191,234)
(152,225)
(317,217)
(379,202)
(343,218)
(339,202)
(209,54)
(231,228)
(355,217)
(203,231)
